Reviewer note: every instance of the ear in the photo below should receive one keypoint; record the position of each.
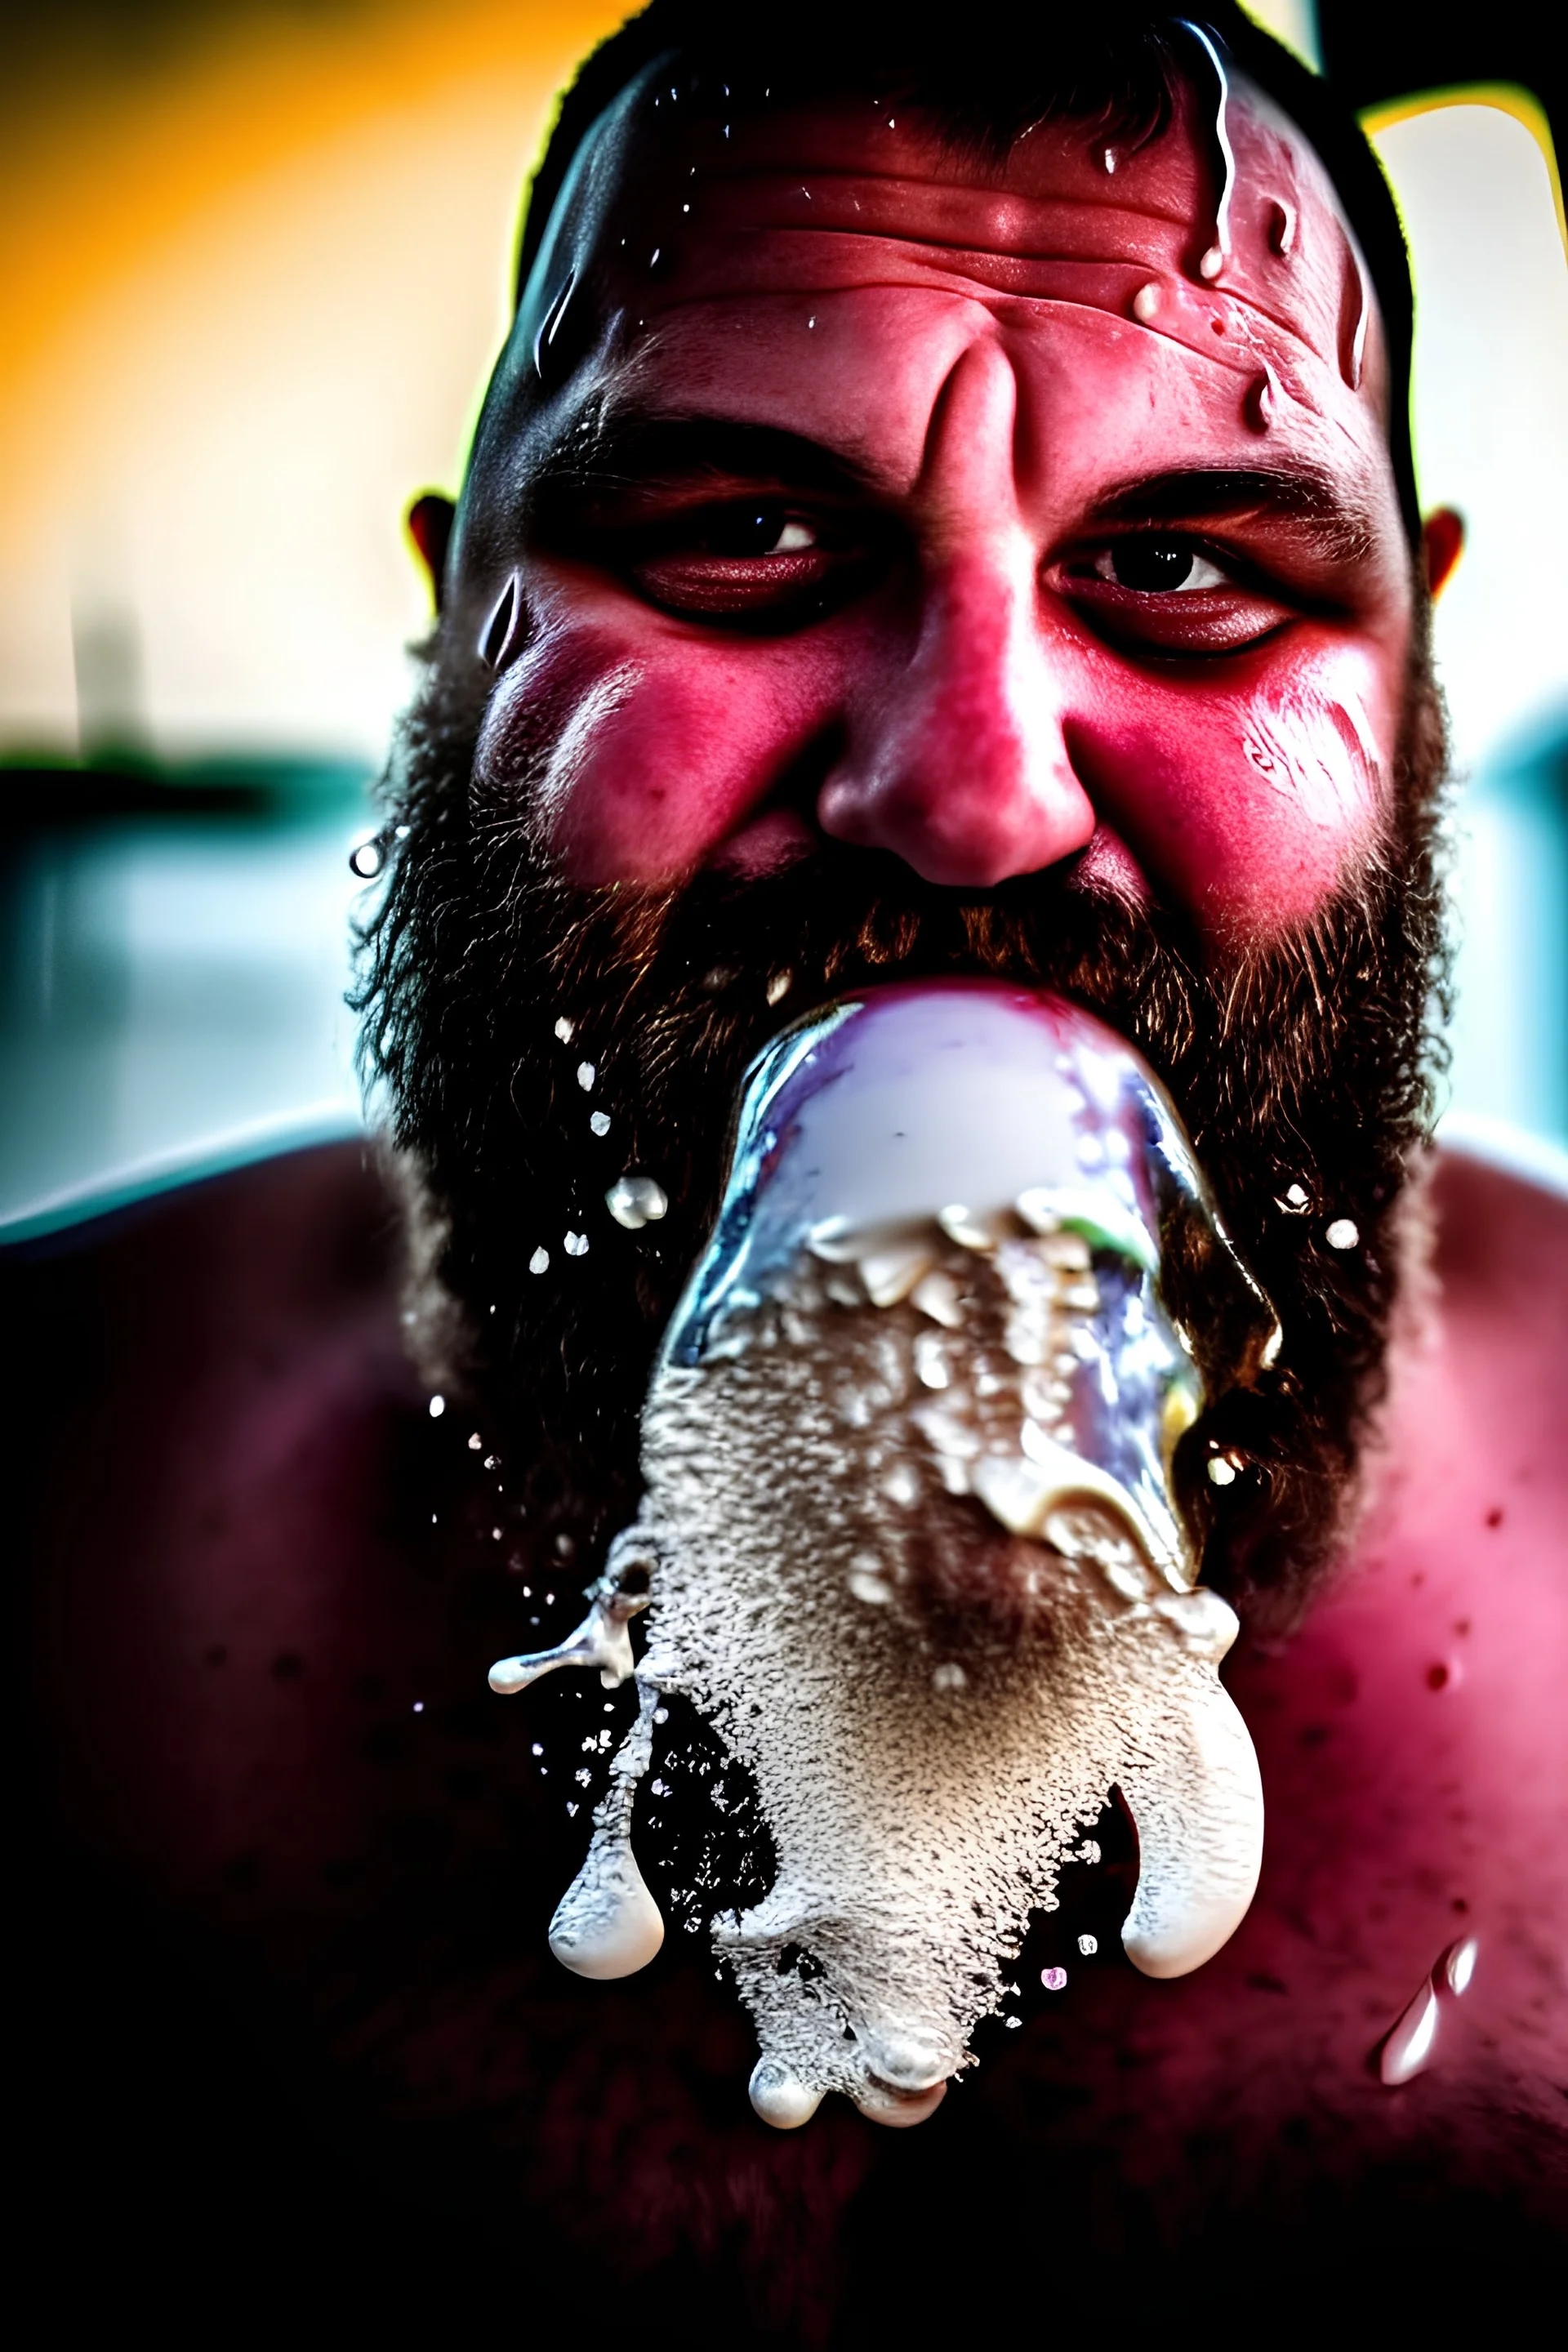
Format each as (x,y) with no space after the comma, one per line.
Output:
(1443,536)
(430,528)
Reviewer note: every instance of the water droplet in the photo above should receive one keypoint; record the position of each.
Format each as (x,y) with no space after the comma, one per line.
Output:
(1053,1979)
(1111,159)
(1146,302)
(586,1074)
(811,322)
(437,1407)
(1261,403)
(538,1261)
(653,257)
(474,1441)
(401,832)
(419,1706)
(1294,1198)
(869,1584)
(495,641)
(1088,1946)
(636,1201)
(1221,1470)
(1211,265)
(576,1244)
(1342,1234)
(563,1029)
(600,1122)
(367,858)
(1408,2048)
(1458,1964)
(948,1676)
(931,1360)
(779,986)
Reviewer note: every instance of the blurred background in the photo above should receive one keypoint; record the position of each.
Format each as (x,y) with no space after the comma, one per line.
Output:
(257,258)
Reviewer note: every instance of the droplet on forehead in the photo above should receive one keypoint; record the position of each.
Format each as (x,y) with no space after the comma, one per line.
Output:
(1146,302)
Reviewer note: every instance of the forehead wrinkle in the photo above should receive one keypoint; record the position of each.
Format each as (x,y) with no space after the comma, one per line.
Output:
(995,300)
(1178,218)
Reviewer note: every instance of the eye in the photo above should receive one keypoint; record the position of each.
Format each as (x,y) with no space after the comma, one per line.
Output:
(1157,567)
(753,563)
(1152,594)
(752,534)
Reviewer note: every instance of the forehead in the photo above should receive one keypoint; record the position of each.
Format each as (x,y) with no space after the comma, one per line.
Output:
(823,266)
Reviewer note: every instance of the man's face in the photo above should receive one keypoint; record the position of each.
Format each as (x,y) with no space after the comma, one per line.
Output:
(959,512)
(878,564)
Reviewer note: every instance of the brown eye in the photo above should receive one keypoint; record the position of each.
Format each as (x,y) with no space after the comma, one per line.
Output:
(1157,567)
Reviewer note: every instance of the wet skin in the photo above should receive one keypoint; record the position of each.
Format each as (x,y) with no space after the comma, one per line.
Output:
(949,511)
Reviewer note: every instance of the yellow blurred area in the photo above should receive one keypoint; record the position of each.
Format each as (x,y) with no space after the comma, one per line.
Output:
(250,304)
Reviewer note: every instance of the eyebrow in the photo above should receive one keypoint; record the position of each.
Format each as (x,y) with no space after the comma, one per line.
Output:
(605,450)
(1340,526)
(629,449)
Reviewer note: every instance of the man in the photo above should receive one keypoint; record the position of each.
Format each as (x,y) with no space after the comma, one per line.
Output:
(935,514)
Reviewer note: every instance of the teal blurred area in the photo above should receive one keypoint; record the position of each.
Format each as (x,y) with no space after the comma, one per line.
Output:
(1509,887)
(175,952)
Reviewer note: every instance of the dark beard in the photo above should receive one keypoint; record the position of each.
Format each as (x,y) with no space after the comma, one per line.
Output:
(1309,1063)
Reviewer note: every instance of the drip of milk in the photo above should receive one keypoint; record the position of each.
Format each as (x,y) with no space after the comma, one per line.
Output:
(909,1544)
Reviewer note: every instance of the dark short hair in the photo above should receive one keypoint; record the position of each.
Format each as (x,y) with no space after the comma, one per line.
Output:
(1113,63)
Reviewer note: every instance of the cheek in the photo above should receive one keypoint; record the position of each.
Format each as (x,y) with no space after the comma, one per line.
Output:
(1245,809)
(640,753)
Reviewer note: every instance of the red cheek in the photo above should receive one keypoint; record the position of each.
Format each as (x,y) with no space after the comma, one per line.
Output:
(642,755)
(1243,808)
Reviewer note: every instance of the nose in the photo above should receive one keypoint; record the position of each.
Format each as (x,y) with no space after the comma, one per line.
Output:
(956,759)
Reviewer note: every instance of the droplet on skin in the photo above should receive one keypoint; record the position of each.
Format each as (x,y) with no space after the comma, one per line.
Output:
(538,1261)
(1458,1964)
(902,1483)
(1146,303)
(585,1075)
(1212,264)
(1111,159)
(576,1244)
(779,2097)
(1342,1234)
(1295,1199)
(779,986)
(600,1122)
(366,858)
(948,1676)
(437,1407)
(495,640)
(1222,1470)
(868,1585)
(1261,403)
(1409,2047)
(931,1362)
(563,1029)
(1053,1979)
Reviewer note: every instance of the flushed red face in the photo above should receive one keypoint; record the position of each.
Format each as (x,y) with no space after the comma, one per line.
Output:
(989,516)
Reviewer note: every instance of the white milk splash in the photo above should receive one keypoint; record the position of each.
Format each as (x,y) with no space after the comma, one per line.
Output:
(908,1542)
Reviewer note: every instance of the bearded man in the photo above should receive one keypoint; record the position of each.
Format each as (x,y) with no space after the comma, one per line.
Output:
(945,512)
